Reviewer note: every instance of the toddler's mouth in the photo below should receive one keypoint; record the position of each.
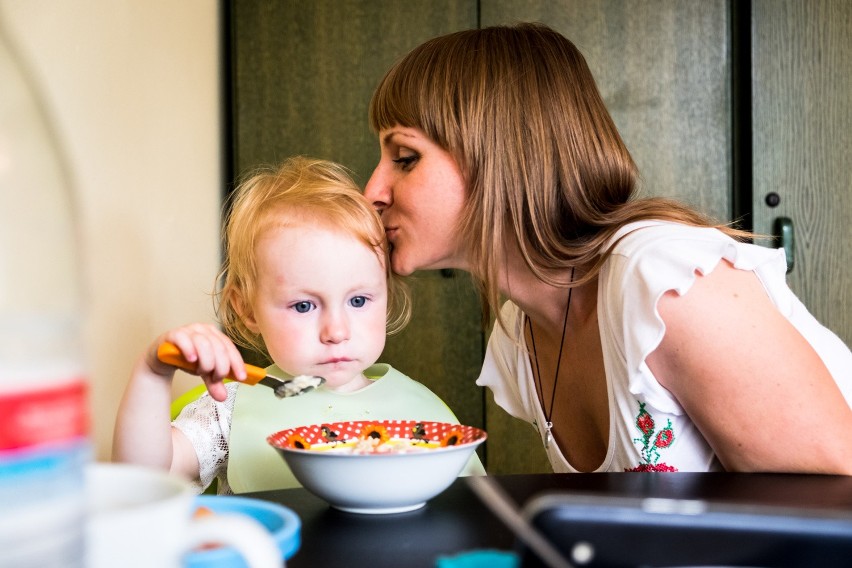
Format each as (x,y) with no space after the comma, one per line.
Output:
(335,360)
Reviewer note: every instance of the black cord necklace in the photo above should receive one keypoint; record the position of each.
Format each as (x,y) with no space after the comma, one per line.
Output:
(548,424)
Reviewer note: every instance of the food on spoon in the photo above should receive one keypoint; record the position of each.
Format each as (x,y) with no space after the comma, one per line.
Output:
(297,385)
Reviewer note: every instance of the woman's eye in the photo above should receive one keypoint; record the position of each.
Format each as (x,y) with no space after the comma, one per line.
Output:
(406,162)
(303,307)
(358,302)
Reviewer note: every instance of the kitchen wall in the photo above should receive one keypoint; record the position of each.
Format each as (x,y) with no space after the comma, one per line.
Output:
(133,87)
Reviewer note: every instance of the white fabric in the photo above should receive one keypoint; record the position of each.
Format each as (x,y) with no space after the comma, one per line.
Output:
(207,425)
(651,259)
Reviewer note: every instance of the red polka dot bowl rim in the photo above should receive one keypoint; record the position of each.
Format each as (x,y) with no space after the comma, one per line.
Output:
(416,434)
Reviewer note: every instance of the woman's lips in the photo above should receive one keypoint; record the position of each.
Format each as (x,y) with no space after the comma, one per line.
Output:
(390,233)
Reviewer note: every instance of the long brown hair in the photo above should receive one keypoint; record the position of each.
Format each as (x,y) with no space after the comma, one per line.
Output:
(297,192)
(519,110)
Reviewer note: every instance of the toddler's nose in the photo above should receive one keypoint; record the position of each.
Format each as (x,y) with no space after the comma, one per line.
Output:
(335,328)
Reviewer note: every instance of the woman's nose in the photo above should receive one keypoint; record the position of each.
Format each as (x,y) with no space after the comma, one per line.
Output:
(377,191)
(335,328)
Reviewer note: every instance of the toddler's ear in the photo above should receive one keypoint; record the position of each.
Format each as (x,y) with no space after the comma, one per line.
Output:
(245,312)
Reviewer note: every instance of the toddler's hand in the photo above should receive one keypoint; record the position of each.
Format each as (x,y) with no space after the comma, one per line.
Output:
(214,355)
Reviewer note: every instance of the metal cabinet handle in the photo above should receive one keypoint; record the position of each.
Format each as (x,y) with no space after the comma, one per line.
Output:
(784,235)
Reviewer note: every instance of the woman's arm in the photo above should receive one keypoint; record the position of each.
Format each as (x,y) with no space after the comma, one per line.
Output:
(143,432)
(751,383)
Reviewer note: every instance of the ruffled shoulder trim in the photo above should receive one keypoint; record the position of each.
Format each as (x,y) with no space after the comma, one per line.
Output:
(503,368)
(649,259)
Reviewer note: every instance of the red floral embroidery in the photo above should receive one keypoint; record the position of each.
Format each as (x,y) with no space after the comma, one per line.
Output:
(651,451)
(644,421)
(664,438)
(656,467)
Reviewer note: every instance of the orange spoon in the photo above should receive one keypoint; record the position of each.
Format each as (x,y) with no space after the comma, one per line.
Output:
(283,388)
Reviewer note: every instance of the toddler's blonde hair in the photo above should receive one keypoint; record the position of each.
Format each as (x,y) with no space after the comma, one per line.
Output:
(300,191)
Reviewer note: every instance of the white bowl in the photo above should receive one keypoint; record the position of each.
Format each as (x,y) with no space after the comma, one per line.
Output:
(411,462)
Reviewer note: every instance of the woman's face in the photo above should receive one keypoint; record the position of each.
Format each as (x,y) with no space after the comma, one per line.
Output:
(419,191)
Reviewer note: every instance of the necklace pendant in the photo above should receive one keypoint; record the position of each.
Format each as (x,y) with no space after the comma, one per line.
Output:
(548,437)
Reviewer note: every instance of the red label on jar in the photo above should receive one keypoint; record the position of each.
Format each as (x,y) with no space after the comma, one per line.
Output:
(43,416)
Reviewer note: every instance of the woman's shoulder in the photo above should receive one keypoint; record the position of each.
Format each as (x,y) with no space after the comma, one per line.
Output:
(637,237)
(673,253)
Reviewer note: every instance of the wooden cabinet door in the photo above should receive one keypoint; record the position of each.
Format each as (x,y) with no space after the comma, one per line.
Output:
(802,145)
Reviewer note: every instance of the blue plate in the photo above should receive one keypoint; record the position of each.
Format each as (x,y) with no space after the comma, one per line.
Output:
(283,523)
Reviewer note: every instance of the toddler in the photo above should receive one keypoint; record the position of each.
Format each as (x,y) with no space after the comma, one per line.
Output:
(306,280)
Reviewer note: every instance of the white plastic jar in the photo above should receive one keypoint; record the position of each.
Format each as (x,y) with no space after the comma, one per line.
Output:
(44,422)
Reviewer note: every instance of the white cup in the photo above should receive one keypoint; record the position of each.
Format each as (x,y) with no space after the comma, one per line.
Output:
(143,517)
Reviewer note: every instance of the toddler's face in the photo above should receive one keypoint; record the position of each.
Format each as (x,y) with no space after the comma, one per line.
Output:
(321,303)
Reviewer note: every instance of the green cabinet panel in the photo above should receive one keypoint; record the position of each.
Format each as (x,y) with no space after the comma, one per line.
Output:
(303,73)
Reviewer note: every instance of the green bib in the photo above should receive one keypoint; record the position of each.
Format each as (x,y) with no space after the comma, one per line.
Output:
(253,465)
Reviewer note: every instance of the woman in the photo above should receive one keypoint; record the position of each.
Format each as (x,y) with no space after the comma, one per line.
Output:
(638,334)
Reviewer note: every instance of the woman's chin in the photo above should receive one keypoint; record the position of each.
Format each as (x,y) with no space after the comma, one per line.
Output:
(400,266)
(405,265)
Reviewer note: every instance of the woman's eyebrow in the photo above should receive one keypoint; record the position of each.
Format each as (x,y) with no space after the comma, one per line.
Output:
(388,138)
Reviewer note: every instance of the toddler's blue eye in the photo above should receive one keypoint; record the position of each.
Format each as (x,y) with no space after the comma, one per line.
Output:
(303,307)
(358,302)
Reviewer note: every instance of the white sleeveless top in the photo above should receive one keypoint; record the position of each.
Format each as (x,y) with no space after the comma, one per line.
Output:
(648,429)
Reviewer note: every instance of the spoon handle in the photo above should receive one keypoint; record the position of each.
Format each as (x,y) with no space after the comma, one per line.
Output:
(169,353)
